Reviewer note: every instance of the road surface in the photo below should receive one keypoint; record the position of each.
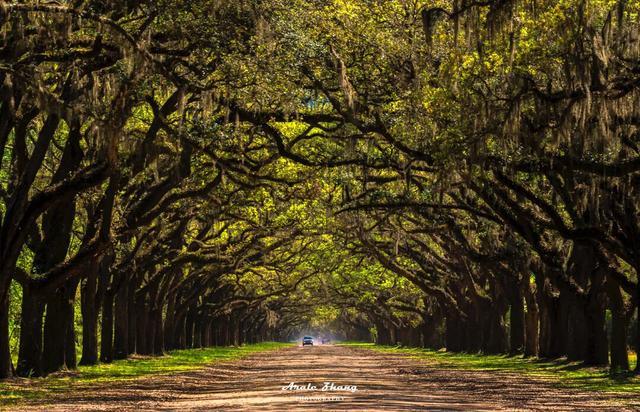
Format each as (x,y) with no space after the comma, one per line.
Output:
(284,380)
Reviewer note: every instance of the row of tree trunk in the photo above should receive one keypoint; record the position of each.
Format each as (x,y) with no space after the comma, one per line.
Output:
(538,319)
(122,324)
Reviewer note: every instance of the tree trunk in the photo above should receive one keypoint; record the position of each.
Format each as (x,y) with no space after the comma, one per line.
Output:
(239,330)
(95,286)
(637,337)
(30,353)
(552,339)
(71,356)
(236,331)
(169,323)
(559,329)
(55,333)
(158,342)
(57,223)
(189,326)
(516,322)
(431,338)
(577,329)
(89,310)
(495,340)
(132,319)
(531,324)
(151,332)
(619,354)
(142,324)
(206,332)
(59,330)
(121,321)
(598,343)
(383,335)
(6,367)
(197,331)
(215,332)
(106,342)
(453,333)
(473,332)
(226,331)
(586,333)
(180,334)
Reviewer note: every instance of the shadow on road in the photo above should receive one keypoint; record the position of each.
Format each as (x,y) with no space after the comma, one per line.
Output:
(384,382)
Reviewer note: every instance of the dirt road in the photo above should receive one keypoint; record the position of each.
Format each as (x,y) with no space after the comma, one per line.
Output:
(383,381)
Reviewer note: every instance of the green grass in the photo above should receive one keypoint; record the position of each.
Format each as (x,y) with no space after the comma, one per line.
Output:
(566,374)
(21,390)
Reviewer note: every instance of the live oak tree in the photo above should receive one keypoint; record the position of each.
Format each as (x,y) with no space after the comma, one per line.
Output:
(451,173)
(519,115)
(114,137)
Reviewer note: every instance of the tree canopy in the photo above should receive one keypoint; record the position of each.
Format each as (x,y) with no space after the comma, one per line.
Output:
(439,173)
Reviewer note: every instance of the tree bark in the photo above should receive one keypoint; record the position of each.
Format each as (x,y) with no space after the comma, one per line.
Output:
(598,342)
(6,367)
(89,311)
(71,357)
(106,341)
(197,331)
(142,323)
(189,326)
(453,333)
(121,318)
(495,340)
(59,330)
(180,332)
(55,335)
(30,352)
(637,337)
(431,337)
(132,319)
(531,324)
(516,321)
(158,342)
(552,338)
(619,353)
(170,323)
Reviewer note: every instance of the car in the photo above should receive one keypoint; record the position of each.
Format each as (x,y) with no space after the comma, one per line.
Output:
(326,340)
(307,340)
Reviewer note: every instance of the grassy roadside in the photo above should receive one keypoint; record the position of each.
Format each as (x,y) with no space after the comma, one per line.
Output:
(566,374)
(20,390)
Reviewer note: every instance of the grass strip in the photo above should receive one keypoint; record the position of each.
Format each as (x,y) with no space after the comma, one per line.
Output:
(562,372)
(14,392)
